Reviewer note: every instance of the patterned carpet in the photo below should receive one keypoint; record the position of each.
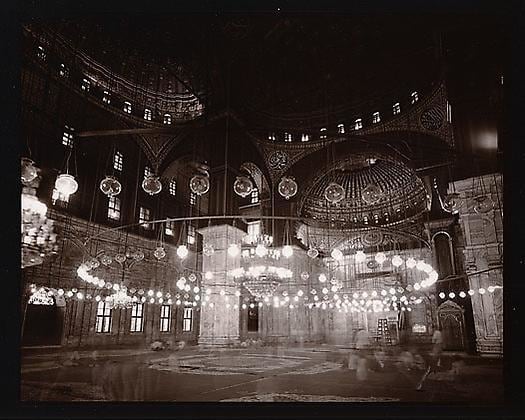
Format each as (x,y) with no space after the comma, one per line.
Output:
(238,364)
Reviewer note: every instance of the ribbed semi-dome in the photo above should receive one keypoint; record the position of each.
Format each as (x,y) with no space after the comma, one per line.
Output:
(403,194)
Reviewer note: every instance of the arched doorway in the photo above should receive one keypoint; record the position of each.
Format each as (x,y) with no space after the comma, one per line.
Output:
(452,324)
(43,319)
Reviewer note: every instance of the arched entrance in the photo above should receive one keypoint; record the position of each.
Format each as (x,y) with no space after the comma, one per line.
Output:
(43,319)
(452,324)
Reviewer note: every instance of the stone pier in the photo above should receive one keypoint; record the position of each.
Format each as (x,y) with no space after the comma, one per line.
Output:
(219,322)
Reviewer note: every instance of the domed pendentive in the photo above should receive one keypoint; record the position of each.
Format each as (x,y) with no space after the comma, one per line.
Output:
(398,194)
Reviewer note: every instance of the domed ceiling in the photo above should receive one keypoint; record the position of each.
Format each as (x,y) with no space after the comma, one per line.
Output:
(400,194)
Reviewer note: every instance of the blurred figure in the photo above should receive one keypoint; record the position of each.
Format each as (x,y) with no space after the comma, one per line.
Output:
(362,346)
(435,357)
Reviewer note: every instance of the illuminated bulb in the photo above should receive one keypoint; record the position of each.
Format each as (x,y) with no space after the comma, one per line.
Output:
(442,295)
(261,250)
(417,286)
(161,300)
(491,289)
(222,292)
(411,263)
(451,295)
(397,260)
(66,184)
(196,289)
(374,293)
(481,291)
(287,251)
(337,254)
(420,265)
(392,291)
(208,275)
(427,268)
(152,300)
(383,292)
(300,293)
(365,295)
(380,257)
(182,251)
(322,278)
(233,250)
(197,297)
(97,298)
(471,292)
(333,288)
(237,293)
(462,294)
(244,306)
(150,292)
(80,296)
(208,291)
(325,290)
(159,294)
(360,256)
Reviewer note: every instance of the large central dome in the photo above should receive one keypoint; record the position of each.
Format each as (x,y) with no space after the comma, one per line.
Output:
(401,194)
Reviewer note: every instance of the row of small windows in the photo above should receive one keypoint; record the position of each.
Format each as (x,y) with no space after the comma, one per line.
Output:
(85,86)
(104,317)
(358,123)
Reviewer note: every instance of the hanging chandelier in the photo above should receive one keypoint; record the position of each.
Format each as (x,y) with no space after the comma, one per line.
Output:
(120,299)
(38,237)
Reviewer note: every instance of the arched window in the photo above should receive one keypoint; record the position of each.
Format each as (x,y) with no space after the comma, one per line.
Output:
(305,137)
(106,97)
(103,324)
(147,114)
(358,124)
(167,119)
(287,137)
(127,107)
(413,97)
(376,117)
(322,134)
(396,108)
(86,85)
(341,128)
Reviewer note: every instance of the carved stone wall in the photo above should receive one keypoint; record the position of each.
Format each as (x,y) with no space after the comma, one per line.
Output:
(483,257)
(80,316)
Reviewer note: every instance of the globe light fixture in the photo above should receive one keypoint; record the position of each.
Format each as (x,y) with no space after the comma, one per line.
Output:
(397,260)
(243,186)
(371,194)
(334,193)
(200,184)
(110,186)
(261,250)
(322,278)
(182,251)
(411,262)
(483,204)
(380,257)
(336,254)
(66,184)
(152,185)
(360,256)
(312,252)
(451,203)
(287,187)
(159,253)
(451,295)
(287,251)
(208,249)
(234,250)
(28,171)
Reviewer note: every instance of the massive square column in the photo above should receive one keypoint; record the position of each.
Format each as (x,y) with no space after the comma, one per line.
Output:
(219,322)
